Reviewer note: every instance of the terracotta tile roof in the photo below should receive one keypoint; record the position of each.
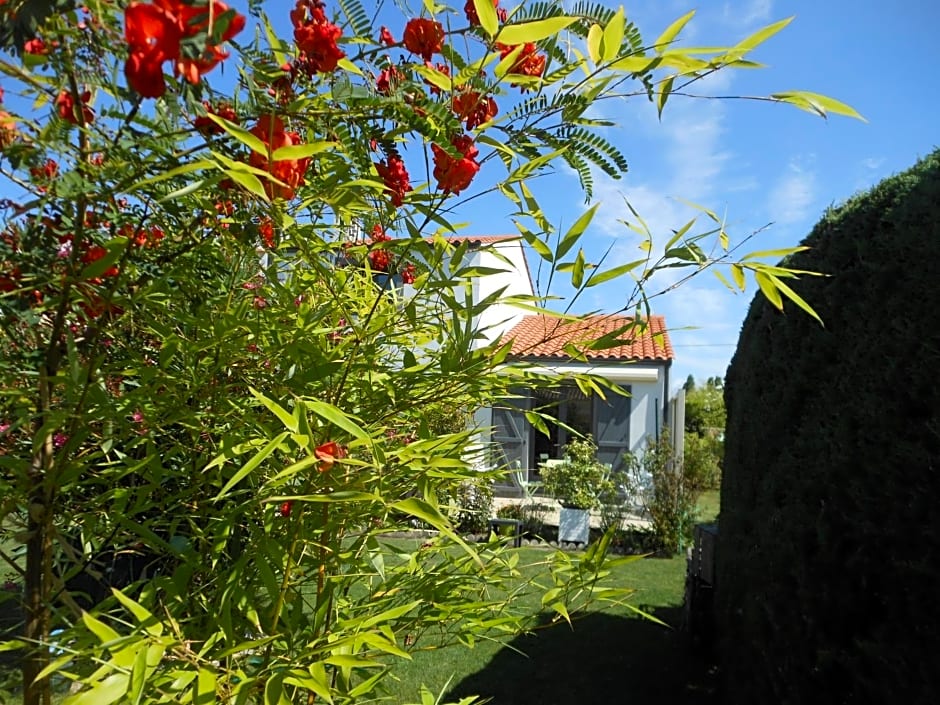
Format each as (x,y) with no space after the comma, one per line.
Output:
(482,239)
(540,336)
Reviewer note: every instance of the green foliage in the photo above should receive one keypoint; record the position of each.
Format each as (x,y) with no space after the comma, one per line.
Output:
(669,491)
(579,480)
(829,529)
(702,458)
(471,505)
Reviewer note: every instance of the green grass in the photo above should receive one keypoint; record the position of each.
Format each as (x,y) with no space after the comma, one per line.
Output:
(607,655)
(708,505)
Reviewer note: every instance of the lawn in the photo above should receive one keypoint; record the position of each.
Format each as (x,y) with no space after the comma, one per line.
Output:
(607,653)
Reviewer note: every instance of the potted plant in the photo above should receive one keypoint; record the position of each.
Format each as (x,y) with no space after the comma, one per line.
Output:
(578,481)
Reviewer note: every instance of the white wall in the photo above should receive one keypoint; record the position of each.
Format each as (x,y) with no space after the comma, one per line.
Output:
(499,318)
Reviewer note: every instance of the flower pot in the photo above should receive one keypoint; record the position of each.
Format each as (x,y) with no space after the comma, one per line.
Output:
(574,525)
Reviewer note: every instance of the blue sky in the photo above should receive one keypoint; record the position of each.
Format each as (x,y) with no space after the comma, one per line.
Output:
(756,162)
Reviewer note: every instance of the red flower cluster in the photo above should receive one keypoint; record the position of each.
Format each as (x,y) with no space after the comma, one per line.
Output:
(290,172)
(455,174)
(470,11)
(408,274)
(154,33)
(474,108)
(388,79)
(36,47)
(266,231)
(528,63)
(65,104)
(385,37)
(379,259)
(206,126)
(93,254)
(424,37)
(145,237)
(44,174)
(395,176)
(316,37)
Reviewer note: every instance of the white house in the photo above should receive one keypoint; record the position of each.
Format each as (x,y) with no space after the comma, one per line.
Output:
(638,361)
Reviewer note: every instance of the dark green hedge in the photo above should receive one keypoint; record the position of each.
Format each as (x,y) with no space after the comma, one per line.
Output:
(829,549)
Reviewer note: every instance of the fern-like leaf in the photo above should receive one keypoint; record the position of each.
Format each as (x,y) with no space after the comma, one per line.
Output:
(356,15)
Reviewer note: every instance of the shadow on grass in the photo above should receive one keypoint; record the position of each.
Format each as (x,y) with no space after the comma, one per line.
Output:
(606,658)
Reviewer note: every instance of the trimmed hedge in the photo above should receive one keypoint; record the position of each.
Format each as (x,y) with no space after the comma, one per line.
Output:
(829,549)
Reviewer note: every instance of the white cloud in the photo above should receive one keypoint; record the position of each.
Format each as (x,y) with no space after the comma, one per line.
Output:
(791,199)
(748,13)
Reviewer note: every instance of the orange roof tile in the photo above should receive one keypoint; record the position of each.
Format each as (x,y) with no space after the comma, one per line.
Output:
(541,336)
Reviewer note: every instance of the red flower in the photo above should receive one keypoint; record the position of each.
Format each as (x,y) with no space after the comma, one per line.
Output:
(154,33)
(454,175)
(93,254)
(36,46)
(379,259)
(45,173)
(290,172)
(207,126)
(329,453)
(474,108)
(470,11)
(66,107)
(385,36)
(388,79)
(316,37)
(408,274)
(424,37)
(266,231)
(395,176)
(285,508)
(528,63)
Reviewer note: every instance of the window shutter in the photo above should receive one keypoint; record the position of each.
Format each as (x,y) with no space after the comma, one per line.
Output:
(612,429)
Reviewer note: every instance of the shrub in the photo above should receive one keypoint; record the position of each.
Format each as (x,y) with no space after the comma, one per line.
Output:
(471,506)
(529,513)
(580,479)
(702,460)
(668,493)
(827,556)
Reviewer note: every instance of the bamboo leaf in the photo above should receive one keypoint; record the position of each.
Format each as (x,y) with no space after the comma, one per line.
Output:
(252,464)
(489,21)
(240,133)
(513,34)
(759,37)
(337,417)
(575,231)
(613,273)
(672,31)
(301,151)
(796,298)
(737,271)
(768,289)
(662,95)
(723,279)
(818,104)
(288,419)
(594,38)
(204,693)
(613,36)
(775,254)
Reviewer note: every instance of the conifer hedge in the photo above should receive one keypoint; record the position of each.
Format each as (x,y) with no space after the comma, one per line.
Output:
(829,549)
